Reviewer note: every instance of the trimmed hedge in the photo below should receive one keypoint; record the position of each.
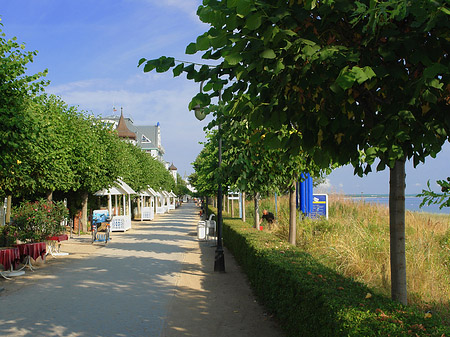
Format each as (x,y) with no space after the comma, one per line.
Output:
(309,299)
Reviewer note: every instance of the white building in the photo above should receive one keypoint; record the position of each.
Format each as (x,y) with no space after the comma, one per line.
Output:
(147,137)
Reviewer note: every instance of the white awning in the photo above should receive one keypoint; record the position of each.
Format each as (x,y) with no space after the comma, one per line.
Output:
(110,191)
(120,187)
(125,187)
(152,192)
(143,194)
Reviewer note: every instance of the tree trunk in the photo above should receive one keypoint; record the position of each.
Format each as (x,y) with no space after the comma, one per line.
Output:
(292,216)
(206,207)
(84,209)
(257,196)
(139,210)
(8,209)
(243,206)
(232,207)
(397,232)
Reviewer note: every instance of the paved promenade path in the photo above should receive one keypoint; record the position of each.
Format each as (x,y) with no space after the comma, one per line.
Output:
(154,280)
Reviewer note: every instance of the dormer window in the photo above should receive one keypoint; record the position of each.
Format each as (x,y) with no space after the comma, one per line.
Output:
(145,139)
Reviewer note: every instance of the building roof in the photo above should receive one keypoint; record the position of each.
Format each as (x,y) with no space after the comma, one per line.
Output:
(122,129)
(172,167)
(146,135)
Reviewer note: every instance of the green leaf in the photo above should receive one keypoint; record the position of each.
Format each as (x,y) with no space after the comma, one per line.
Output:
(429,96)
(268,54)
(253,21)
(150,65)
(178,69)
(232,3)
(310,50)
(362,75)
(218,86)
(219,41)
(280,66)
(336,88)
(307,42)
(191,48)
(346,79)
(436,84)
(445,10)
(164,63)
(208,86)
(142,60)
(203,42)
(243,8)
(434,70)
(233,59)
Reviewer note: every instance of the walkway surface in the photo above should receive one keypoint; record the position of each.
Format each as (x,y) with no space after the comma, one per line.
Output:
(156,279)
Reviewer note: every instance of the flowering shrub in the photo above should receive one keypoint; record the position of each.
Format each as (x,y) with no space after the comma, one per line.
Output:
(36,221)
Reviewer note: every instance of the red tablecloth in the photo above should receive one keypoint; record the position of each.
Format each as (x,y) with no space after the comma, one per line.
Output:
(58,238)
(34,250)
(8,257)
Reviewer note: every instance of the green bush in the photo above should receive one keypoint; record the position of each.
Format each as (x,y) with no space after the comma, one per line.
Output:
(309,299)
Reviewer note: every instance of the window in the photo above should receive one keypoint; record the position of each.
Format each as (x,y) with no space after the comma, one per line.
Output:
(144,139)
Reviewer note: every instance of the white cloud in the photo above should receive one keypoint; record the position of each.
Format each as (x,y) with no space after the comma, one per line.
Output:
(325,187)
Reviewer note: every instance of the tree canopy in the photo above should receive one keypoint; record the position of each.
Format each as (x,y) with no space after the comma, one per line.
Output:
(358,79)
(351,81)
(16,87)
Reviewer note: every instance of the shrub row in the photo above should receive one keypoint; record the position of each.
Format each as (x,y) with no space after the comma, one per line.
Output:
(309,299)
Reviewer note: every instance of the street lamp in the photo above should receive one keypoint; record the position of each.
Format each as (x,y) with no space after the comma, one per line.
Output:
(219,260)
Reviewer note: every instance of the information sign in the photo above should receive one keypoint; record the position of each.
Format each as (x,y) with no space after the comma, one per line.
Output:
(320,206)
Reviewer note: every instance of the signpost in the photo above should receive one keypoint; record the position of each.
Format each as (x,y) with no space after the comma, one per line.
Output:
(311,205)
(320,206)
(234,196)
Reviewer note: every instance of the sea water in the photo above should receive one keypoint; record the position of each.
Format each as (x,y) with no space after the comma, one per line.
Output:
(412,203)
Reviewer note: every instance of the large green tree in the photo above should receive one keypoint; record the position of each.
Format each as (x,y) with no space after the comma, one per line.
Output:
(360,80)
(16,89)
(45,152)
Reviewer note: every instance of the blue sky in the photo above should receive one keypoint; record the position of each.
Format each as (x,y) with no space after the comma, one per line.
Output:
(91,50)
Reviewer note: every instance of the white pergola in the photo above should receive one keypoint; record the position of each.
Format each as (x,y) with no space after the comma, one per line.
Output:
(148,212)
(120,221)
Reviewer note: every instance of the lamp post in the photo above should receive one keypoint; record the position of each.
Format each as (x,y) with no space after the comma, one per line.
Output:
(219,260)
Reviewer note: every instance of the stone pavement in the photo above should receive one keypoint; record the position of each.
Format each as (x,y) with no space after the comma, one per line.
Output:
(153,280)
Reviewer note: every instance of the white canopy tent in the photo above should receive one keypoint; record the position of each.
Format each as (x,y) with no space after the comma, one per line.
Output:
(120,221)
(172,200)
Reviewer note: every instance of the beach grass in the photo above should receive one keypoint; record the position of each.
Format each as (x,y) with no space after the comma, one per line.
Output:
(355,242)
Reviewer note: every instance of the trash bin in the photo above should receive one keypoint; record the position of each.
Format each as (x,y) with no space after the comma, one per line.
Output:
(201,230)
